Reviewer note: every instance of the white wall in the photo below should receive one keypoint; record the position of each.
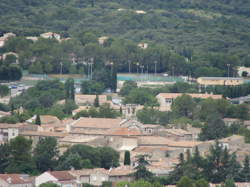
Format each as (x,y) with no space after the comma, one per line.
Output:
(43,178)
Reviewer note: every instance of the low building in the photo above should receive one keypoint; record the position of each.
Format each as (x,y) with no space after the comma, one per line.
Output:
(5,38)
(85,123)
(176,134)
(9,131)
(223,81)
(243,70)
(230,121)
(35,136)
(240,100)
(83,99)
(61,178)
(166,99)
(102,39)
(143,45)
(15,180)
(51,35)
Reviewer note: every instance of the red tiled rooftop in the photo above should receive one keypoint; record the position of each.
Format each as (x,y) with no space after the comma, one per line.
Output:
(15,178)
(62,175)
(193,95)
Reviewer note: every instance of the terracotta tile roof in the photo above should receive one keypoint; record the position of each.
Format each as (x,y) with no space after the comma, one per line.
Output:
(49,119)
(16,178)
(62,175)
(159,141)
(123,131)
(101,123)
(78,139)
(86,172)
(88,131)
(82,98)
(193,95)
(151,126)
(150,149)
(121,171)
(6,125)
(177,132)
(44,134)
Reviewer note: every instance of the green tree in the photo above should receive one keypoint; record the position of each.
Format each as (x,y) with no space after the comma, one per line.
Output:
(127,87)
(183,106)
(108,157)
(229,183)
(70,89)
(4,156)
(96,101)
(127,158)
(38,120)
(4,90)
(201,183)
(48,185)
(106,184)
(185,182)
(244,174)
(45,154)
(214,129)
(141,183)
(20,159)
(69,106)
(141,170)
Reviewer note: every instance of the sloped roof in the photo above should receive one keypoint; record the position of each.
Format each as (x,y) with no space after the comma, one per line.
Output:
(62,175)
(156,141)
(123,131)
(102,123)
(193,95)
(16,178)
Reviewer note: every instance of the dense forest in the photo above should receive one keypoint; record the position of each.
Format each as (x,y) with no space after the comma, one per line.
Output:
(199,37)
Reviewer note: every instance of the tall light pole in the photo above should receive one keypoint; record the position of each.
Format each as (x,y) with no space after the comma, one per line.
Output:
(228,66)
(61,69)
(129,63)
(141,71)
(91,67)
(137,64)
(155,62)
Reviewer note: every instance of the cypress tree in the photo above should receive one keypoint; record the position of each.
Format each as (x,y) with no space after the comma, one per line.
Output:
(96,102)
(38,120)
(244,175)
(127,158)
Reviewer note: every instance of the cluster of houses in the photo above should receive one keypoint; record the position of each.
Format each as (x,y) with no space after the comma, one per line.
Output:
(162,145)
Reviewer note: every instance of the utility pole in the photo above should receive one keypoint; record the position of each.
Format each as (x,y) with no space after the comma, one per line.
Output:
(129,63)
(61,69)
(137,64)
(155,62)
(91,67)
(228,66)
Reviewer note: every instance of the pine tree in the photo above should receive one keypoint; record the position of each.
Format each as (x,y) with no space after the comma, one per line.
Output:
(244,175)
(38,120)
(127,158)
(96,102)
(185,182)
(141,170)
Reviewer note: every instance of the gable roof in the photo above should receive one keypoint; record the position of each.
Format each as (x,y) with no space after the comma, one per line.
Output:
(102,123)
(62,175)
(193,95)
(16,178)
(123,131)
(160,141)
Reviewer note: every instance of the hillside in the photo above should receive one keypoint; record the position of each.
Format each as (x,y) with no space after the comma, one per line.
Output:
(214,26)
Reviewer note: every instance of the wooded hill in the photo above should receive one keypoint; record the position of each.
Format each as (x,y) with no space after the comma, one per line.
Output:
(204,26)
